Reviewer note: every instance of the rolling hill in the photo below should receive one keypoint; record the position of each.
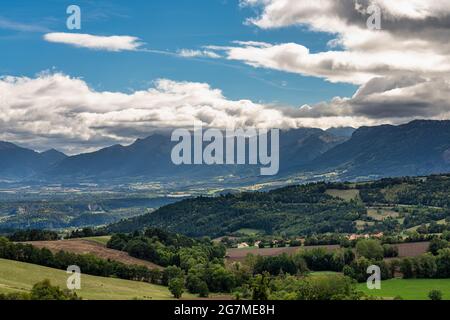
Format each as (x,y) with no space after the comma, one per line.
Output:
(20,277)
(292,210)
(85,246)
(307,209)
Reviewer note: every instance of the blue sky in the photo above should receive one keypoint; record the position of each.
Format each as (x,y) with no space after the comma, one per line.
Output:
(130,70)
(162,25)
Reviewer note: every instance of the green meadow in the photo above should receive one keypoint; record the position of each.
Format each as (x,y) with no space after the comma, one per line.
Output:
(409,289)
(20,277)
(103,240)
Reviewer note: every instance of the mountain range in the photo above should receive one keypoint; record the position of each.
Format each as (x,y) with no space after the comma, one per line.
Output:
(150,158)
(21,163)
(417,148)
(414,149)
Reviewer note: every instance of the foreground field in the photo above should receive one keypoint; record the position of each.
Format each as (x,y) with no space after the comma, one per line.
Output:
(20,277)
(92,246)
(409,289)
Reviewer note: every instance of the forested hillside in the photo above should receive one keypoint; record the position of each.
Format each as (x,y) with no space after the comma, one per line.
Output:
(386,205)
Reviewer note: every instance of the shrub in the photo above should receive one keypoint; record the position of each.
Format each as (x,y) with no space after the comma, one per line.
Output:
(45,291)
(370,249)
(437,244)
(335,287)
(390,251)
(435,295)
(176,286)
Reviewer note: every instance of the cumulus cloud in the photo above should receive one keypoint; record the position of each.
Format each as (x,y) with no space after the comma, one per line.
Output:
(414,38)
(64,112)
(402,70)
(56,110)
(354,67)
(395,99)
(107,43)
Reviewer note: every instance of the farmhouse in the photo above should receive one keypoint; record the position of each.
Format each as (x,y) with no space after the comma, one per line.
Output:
(243,245)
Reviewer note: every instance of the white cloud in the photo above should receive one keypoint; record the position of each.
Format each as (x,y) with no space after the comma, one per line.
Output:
(188,53)
(402,70)
(253,44)
(108,43)
(356,67)
(55,110)
(415,9)
(63,112)
(414,39)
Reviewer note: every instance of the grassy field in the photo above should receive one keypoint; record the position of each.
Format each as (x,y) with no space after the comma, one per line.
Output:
(346,195)
(18,276)
(381,214)
(249,232)
(409,289)
(443,221)
(103,240)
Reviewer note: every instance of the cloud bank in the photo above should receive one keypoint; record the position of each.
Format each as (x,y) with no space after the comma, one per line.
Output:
(64,112)
(402,70)
(56,110)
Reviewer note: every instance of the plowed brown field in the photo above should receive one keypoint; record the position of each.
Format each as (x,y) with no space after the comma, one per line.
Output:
(80,246)
(405,250)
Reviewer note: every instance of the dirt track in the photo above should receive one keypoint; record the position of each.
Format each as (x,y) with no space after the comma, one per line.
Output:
(80,246)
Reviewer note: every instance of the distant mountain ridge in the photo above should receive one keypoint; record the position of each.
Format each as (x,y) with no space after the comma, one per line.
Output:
(418,148)
(342,131)
(421,147)
(151,158)
(17,162)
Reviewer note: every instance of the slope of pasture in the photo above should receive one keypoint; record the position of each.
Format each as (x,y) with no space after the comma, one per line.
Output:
(409,289)
(20,277)
(101,240)
(83,246)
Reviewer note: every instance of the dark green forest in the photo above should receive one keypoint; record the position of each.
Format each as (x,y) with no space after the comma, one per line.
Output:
(305,210)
